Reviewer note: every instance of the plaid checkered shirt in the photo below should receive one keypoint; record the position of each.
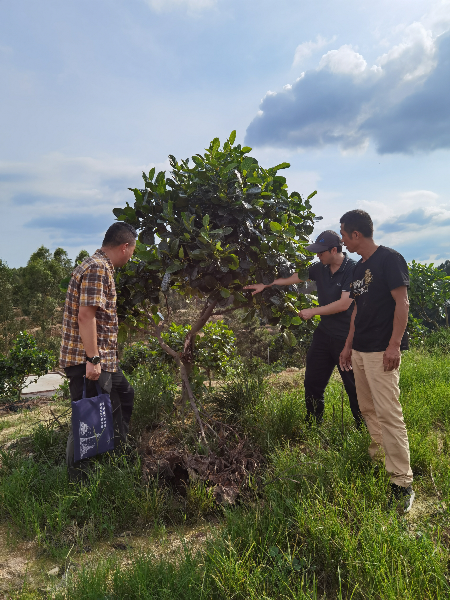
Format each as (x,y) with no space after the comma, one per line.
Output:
(92,284)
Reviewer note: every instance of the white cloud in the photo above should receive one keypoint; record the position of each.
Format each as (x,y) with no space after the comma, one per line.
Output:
(415,56)
(305,49)
(344,61)
(62,200)
(190,5)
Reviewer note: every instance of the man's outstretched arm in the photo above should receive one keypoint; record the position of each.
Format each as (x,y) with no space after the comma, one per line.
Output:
(328,309)
(259,287)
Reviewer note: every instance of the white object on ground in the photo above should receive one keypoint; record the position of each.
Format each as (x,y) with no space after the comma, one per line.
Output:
(44,386)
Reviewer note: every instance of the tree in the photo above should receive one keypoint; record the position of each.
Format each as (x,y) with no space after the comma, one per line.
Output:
(9,325)
(81,256)
(207,231)
(24,359)
(429,294)
(37,290)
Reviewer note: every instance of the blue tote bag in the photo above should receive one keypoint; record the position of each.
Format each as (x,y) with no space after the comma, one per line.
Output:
(92,423)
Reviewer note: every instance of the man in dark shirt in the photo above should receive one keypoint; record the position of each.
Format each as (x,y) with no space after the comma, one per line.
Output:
(333,275)
(373,348)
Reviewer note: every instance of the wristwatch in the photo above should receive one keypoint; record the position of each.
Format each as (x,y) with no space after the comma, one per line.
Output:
(94,359)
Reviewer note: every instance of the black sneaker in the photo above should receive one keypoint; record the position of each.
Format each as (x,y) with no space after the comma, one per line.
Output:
(401,497)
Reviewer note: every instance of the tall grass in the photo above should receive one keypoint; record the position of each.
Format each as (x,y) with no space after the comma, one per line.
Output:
(319,525)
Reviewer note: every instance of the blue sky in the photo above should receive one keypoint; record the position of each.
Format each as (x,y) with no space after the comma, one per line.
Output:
(354,94)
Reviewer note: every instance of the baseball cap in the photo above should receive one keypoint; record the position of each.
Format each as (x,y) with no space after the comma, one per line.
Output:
(326,240)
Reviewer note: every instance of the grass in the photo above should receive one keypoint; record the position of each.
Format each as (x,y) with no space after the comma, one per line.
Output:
(318,526)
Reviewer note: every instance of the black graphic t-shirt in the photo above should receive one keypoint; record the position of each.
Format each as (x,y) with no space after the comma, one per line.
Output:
(329,289)
(371,288)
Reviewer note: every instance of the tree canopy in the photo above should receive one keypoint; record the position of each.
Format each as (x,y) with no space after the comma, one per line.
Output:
(216,224)
(219,222)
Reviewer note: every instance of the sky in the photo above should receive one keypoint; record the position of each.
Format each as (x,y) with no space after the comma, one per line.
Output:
(354,94)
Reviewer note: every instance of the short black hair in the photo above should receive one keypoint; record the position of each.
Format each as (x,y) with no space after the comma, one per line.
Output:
(120,233)
(358,220)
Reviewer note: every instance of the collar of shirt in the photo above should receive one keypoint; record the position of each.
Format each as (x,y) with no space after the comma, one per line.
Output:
(341,268)
(106,258)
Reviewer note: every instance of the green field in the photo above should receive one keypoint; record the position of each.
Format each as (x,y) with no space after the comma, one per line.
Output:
(314,523)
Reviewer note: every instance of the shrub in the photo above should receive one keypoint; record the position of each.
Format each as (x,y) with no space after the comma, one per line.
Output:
(154,393)
(138,354)
(438,340)
(24,359)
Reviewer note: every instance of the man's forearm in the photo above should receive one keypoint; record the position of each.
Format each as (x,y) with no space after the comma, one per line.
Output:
(351,332)
(286,280)
(334,307)
(399,324)
(88,332)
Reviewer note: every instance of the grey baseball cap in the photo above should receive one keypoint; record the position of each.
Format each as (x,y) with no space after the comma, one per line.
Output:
(327,239)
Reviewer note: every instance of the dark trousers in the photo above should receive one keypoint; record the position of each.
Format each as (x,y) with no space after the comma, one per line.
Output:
(122,397)
(322,357)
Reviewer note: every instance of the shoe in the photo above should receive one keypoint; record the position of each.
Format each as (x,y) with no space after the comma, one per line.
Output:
(401,497)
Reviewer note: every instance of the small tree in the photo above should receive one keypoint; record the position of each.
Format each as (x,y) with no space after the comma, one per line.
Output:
(214,226)
(24,359)
(9,324)
(37,290)
(429,294)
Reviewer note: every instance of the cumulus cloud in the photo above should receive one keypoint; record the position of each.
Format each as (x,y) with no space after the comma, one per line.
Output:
(306,49)
(344,61)
(400,103)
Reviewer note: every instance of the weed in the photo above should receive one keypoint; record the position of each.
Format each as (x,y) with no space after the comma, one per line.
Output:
(154,394)
(199,500)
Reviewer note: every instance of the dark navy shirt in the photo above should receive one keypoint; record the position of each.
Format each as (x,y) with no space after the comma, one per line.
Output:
(329,289)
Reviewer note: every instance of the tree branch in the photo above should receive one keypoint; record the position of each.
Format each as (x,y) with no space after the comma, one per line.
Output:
(184,376)
(233,308)
(201,321)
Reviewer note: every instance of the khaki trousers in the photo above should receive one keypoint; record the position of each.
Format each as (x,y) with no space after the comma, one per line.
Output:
(378,394)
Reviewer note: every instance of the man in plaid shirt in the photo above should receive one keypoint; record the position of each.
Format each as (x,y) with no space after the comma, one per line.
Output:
(89,333)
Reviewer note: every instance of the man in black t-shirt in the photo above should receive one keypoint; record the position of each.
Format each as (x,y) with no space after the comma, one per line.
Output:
(373,348)
(332,275)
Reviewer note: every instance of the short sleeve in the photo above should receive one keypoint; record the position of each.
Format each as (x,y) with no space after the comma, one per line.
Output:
(312,271)
(347,279)
(396,271)
(93,286)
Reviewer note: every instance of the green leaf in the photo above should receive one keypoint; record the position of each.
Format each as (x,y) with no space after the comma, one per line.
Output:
(232,260)
(232,137)
(151,173)
(283,165)
(215,145)
(296,321)
(312,195)
(289,338)
(239,297)
(122,333)
(175,266)
(249,316)
(229,167)
(275,227)
(225,293)
(181,252)
(206,221)
(246,149)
